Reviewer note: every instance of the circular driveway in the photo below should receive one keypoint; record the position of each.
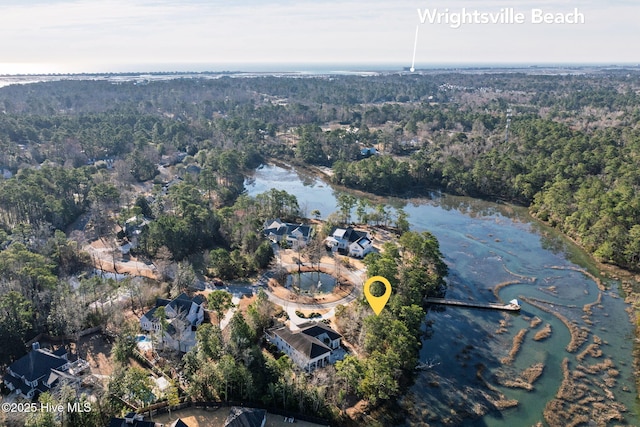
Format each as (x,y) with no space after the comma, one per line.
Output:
(355,277)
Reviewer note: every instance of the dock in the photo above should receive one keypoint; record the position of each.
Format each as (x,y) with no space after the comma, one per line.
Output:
(513,305)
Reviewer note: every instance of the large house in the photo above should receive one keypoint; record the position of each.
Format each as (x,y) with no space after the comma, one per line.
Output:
(246,417)
(183,316)
(311,347)
(355,243)
(38,371)
(293,234)
(132,230)
(132,420)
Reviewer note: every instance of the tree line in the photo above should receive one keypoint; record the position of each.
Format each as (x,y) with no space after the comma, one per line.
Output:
(388,343)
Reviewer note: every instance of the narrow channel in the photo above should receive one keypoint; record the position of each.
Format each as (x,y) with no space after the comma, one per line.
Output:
(486,244)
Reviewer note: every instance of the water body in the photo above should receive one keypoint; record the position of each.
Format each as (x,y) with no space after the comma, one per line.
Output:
(485,244)
(312,282)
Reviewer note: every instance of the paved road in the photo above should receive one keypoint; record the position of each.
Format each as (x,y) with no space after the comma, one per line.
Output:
(238,291)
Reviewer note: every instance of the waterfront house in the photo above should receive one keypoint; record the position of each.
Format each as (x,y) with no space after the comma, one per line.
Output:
(293,234)
(360,247)
(349,241)
(311,347)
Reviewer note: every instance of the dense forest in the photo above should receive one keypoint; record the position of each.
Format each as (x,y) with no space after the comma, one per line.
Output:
(72,148)
(77,156)
(570,151)
(388,343)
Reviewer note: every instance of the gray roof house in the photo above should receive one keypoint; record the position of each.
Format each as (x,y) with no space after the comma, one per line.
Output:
(37,372)
(132,230)
(246,417)
(294,234)
(183,314)
(132,420)
(310,347)
(355,243)
(322,332)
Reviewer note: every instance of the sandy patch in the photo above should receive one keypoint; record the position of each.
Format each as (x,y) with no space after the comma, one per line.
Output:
(103,259)
(194,417)
(96,350)
(337,294)
(245,302)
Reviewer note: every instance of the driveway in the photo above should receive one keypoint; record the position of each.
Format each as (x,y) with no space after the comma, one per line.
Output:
(356,277)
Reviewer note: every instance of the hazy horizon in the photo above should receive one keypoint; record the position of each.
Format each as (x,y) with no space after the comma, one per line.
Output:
(85,36)
(293,68)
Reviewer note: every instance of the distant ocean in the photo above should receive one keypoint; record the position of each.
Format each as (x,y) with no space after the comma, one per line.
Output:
(310,68)
(32,73)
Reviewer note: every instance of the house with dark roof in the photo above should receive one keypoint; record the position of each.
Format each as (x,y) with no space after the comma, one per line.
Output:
(322,332)
(368,151)
(38,371)
(311,347)
(361,247)
(355,243)
(132,420)
(293,234)
(246,417)
(132,230)
(183,315)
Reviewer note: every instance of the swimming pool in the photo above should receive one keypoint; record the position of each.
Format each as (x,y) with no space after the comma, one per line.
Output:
(142,338)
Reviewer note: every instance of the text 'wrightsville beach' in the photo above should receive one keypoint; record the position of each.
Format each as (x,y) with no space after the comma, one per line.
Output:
(508,15)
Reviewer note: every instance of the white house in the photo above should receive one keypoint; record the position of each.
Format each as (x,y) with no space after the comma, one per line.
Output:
(311,347)
(183,315)
(294,234)
(355,243)
(360,247)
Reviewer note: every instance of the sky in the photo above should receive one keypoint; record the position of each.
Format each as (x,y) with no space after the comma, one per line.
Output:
(62,36)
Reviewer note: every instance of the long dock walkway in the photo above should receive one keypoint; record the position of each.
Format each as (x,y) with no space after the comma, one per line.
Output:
(512,306)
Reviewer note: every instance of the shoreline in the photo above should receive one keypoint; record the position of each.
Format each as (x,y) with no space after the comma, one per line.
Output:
(595,270)
(602,267)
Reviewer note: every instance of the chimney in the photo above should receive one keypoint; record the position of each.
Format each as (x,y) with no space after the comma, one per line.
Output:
(35,345)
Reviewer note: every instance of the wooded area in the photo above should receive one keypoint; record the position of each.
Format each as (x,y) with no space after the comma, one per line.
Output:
(84,159)
(570,153)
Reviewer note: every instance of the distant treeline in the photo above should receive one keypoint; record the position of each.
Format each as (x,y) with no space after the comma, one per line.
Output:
(569,152)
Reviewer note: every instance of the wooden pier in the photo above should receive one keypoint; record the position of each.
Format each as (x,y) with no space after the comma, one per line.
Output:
(512,306)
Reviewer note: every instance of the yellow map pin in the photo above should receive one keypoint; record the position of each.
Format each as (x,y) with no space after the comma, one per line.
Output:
(377,303)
